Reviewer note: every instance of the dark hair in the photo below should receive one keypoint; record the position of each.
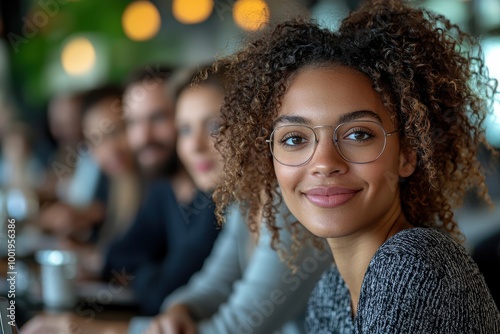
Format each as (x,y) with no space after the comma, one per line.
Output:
(423,67)
(94,96)
(159,73)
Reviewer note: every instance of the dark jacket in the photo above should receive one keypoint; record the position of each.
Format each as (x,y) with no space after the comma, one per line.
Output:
(166,243)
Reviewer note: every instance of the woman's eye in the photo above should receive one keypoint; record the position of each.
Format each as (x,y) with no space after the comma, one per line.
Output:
(359,135)
(183,130)
(293,140)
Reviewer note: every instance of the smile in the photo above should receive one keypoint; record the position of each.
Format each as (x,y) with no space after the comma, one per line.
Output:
(203,166)
(330,197)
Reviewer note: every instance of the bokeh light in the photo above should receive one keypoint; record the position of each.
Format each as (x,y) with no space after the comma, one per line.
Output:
(192,11)
(78,56)
(141,20)
(251,15)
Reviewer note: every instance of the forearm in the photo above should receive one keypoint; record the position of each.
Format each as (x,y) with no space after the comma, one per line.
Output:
(70,323)
(177,319)
(108,327)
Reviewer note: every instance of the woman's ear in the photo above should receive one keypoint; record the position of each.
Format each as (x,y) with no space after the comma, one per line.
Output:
(407,162)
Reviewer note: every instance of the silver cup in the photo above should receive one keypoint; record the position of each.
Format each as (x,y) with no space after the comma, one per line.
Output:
(58,271)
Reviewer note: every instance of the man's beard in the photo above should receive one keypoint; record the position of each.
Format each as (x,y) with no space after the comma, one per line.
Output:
(164,169)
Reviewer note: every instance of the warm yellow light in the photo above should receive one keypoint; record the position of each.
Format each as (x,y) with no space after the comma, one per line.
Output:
(192,11)
(141,20)
(251,14)
(78,56)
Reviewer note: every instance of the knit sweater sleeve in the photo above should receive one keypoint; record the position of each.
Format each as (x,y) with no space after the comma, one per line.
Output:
(423,282)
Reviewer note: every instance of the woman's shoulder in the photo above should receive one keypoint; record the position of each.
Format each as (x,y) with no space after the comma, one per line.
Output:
(425,249)
(425,253)
(425,279)
(418,235)
(426,244)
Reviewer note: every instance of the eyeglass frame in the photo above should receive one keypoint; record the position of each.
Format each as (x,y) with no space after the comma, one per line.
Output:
(335,141)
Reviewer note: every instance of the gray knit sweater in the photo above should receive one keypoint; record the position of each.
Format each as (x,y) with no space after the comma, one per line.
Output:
(419,281)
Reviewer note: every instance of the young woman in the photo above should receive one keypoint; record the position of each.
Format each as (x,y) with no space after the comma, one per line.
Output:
(371,133)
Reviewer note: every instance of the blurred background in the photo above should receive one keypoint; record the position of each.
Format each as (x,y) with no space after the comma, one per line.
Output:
(56,47)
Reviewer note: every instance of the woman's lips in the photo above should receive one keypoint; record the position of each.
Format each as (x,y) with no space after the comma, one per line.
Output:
(330,197)
(203,167)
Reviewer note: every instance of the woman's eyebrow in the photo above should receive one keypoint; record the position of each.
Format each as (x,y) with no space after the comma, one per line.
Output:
(291,120)
(342,119)
(352,116)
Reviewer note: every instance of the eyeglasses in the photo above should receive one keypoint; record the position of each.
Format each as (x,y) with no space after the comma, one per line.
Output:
(359,142)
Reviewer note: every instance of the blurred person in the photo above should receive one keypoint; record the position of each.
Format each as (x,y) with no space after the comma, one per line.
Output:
(81,188)
(174,230)
(73,177)
(149,114)
(64,121)
(110,149)
(103,122)
(19,167)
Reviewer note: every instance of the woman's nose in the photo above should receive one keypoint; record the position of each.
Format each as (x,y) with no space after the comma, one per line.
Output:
(200,141)
(326,159)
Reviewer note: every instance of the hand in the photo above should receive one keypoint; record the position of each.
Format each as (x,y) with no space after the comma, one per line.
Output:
(69,323)
(64,220)
(54,324)
(58,218)
(177,320)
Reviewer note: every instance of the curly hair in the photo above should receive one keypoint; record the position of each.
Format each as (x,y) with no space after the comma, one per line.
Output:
(429,74)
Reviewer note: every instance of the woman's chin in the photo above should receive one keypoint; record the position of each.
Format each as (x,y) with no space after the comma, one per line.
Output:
(328,229)
(206,187)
